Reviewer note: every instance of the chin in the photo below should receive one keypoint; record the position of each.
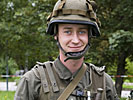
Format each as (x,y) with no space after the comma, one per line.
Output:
(76,50)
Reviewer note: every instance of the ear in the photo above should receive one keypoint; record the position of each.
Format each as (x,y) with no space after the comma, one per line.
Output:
(55,37)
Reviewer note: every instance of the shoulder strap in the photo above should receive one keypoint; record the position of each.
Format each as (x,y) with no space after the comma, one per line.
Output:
(43,78)
(98,81)
(45,73)
(73,84)
(51,76)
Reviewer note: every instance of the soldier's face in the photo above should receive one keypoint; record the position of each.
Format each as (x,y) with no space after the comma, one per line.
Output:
(72,37)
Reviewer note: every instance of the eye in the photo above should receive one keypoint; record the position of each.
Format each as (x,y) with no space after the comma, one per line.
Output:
(82,32)
(67,32)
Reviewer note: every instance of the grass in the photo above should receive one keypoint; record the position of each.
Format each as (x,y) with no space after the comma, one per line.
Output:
(127,86)
(9,79)
(6,95)
(123,98)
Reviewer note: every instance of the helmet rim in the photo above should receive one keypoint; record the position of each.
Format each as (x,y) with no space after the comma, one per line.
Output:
(93,25)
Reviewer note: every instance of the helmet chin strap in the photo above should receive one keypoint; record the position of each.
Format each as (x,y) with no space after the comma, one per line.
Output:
(74,55)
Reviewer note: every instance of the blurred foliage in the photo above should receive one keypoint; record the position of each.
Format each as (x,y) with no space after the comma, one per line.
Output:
(12,66)
(23,38)
(115,15)
(22,31)
(129,68)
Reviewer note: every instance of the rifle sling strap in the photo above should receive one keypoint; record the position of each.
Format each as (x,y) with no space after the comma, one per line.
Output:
(65,94)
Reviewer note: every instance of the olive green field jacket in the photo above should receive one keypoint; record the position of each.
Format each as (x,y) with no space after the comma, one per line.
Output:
(32,85)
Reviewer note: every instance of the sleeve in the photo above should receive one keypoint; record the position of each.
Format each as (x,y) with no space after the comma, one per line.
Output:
(22,92)
(111,93)
(27,88)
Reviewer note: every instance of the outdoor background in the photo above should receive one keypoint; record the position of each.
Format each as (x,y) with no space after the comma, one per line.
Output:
(23,39)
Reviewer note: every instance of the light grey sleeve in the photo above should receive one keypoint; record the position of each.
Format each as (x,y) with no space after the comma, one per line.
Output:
(22,92)
(27,88)
(111,93)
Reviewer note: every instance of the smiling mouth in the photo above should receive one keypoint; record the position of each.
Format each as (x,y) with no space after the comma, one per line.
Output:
(75,46)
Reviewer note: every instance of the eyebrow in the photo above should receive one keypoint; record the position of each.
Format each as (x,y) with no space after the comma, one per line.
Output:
(67,28)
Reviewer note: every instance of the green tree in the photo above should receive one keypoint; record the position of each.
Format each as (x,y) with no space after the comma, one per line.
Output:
(115,15)
(22,32)
(121,46)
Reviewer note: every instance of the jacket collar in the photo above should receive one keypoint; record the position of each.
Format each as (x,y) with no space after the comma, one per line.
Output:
(63,71)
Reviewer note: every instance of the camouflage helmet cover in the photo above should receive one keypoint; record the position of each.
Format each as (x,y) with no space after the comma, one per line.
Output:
(74,12)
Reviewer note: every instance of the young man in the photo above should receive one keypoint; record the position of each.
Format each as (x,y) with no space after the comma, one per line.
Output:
(72,23)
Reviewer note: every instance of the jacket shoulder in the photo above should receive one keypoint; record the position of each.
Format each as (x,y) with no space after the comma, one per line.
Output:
(36,69)
(97,69)
(28,86)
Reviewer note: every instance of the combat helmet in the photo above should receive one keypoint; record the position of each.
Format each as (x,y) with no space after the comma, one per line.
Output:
(74,12)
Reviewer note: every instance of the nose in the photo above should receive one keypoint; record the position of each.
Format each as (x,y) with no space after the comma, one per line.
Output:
(75,39)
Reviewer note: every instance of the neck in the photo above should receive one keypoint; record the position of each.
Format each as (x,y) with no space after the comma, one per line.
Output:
(72,65)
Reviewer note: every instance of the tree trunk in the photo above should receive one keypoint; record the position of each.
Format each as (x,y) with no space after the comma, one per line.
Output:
(120,71)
